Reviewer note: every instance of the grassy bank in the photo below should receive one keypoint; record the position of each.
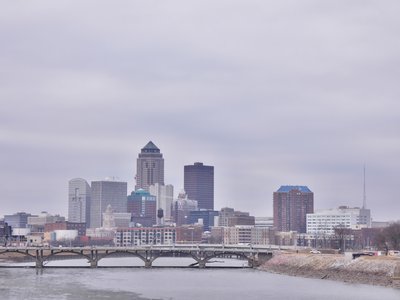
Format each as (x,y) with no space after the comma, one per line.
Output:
(375,270)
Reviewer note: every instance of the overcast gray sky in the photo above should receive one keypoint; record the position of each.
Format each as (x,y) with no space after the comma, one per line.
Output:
(269,92)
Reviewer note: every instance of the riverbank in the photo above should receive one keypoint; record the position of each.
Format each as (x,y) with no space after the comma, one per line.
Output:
(373,270)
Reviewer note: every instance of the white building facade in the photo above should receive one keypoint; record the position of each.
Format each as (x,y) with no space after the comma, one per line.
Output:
(79,194)
(325,222)
(127,237)
(165,197)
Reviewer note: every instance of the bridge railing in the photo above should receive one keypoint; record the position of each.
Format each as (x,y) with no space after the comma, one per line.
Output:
(181,247)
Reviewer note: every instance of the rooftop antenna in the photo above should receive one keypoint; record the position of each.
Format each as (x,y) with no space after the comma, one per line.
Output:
(365,194)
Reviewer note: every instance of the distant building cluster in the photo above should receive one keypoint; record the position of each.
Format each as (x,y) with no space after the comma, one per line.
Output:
(104,213)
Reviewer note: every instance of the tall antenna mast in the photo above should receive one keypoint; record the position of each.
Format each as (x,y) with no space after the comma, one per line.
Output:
(365,194)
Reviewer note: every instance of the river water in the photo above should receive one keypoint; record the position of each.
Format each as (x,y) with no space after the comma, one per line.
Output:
(174,283)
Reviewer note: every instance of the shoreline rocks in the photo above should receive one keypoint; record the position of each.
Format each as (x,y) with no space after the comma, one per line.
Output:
(365,270)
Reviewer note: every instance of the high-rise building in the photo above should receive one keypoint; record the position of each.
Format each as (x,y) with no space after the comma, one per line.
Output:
(199,184)
(182,207)
(106,193)
(150,167)
(79,194)
(143,208)
(165,196)
(291,206)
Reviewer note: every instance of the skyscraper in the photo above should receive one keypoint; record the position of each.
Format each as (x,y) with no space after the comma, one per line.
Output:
(143,208)
(165,197)
(106,193)
(79,194)
(199,184)
(291,206)
(181,208)
(150,167)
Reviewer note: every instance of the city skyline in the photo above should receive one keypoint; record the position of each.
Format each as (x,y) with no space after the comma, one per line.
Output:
(113,179)
(268,93)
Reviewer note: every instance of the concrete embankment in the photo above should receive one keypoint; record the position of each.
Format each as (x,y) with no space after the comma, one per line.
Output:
(375,270)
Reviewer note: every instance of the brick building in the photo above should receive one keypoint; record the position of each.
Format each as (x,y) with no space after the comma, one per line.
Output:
(291,204)
(80,227)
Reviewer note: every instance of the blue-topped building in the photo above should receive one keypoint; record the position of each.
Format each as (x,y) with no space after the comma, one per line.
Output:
(291,204)
(288,188)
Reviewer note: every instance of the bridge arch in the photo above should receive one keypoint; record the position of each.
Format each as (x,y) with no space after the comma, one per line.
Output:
(22,252)
(54,253)
(121,253)
(202,258)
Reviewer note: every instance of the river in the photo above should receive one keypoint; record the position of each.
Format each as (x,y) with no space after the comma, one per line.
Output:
(174,284)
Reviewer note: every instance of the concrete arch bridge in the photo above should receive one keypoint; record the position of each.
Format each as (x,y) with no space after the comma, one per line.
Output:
(202,254)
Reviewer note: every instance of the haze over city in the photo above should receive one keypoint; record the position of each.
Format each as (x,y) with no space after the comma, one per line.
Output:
(269,93)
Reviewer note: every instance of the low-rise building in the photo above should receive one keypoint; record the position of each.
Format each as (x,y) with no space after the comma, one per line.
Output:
(189,234)
(127,237)
(242,234)
(79,227)
(203,217)
(17,220)
(229,217)
(37,223)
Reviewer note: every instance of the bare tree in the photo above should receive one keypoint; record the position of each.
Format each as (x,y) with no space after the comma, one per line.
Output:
(392,234)
(389,238)
(342,234)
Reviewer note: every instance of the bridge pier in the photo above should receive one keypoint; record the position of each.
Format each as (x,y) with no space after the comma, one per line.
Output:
(258,259)
(202,263)
(93,263)
(200,257)
(253,261)
(39,259)
(148,263)
(94,259)
(39,263)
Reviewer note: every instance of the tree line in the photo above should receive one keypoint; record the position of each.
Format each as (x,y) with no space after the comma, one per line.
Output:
(389,238)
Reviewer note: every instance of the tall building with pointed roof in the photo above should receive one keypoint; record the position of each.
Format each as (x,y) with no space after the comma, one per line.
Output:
(150,167)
